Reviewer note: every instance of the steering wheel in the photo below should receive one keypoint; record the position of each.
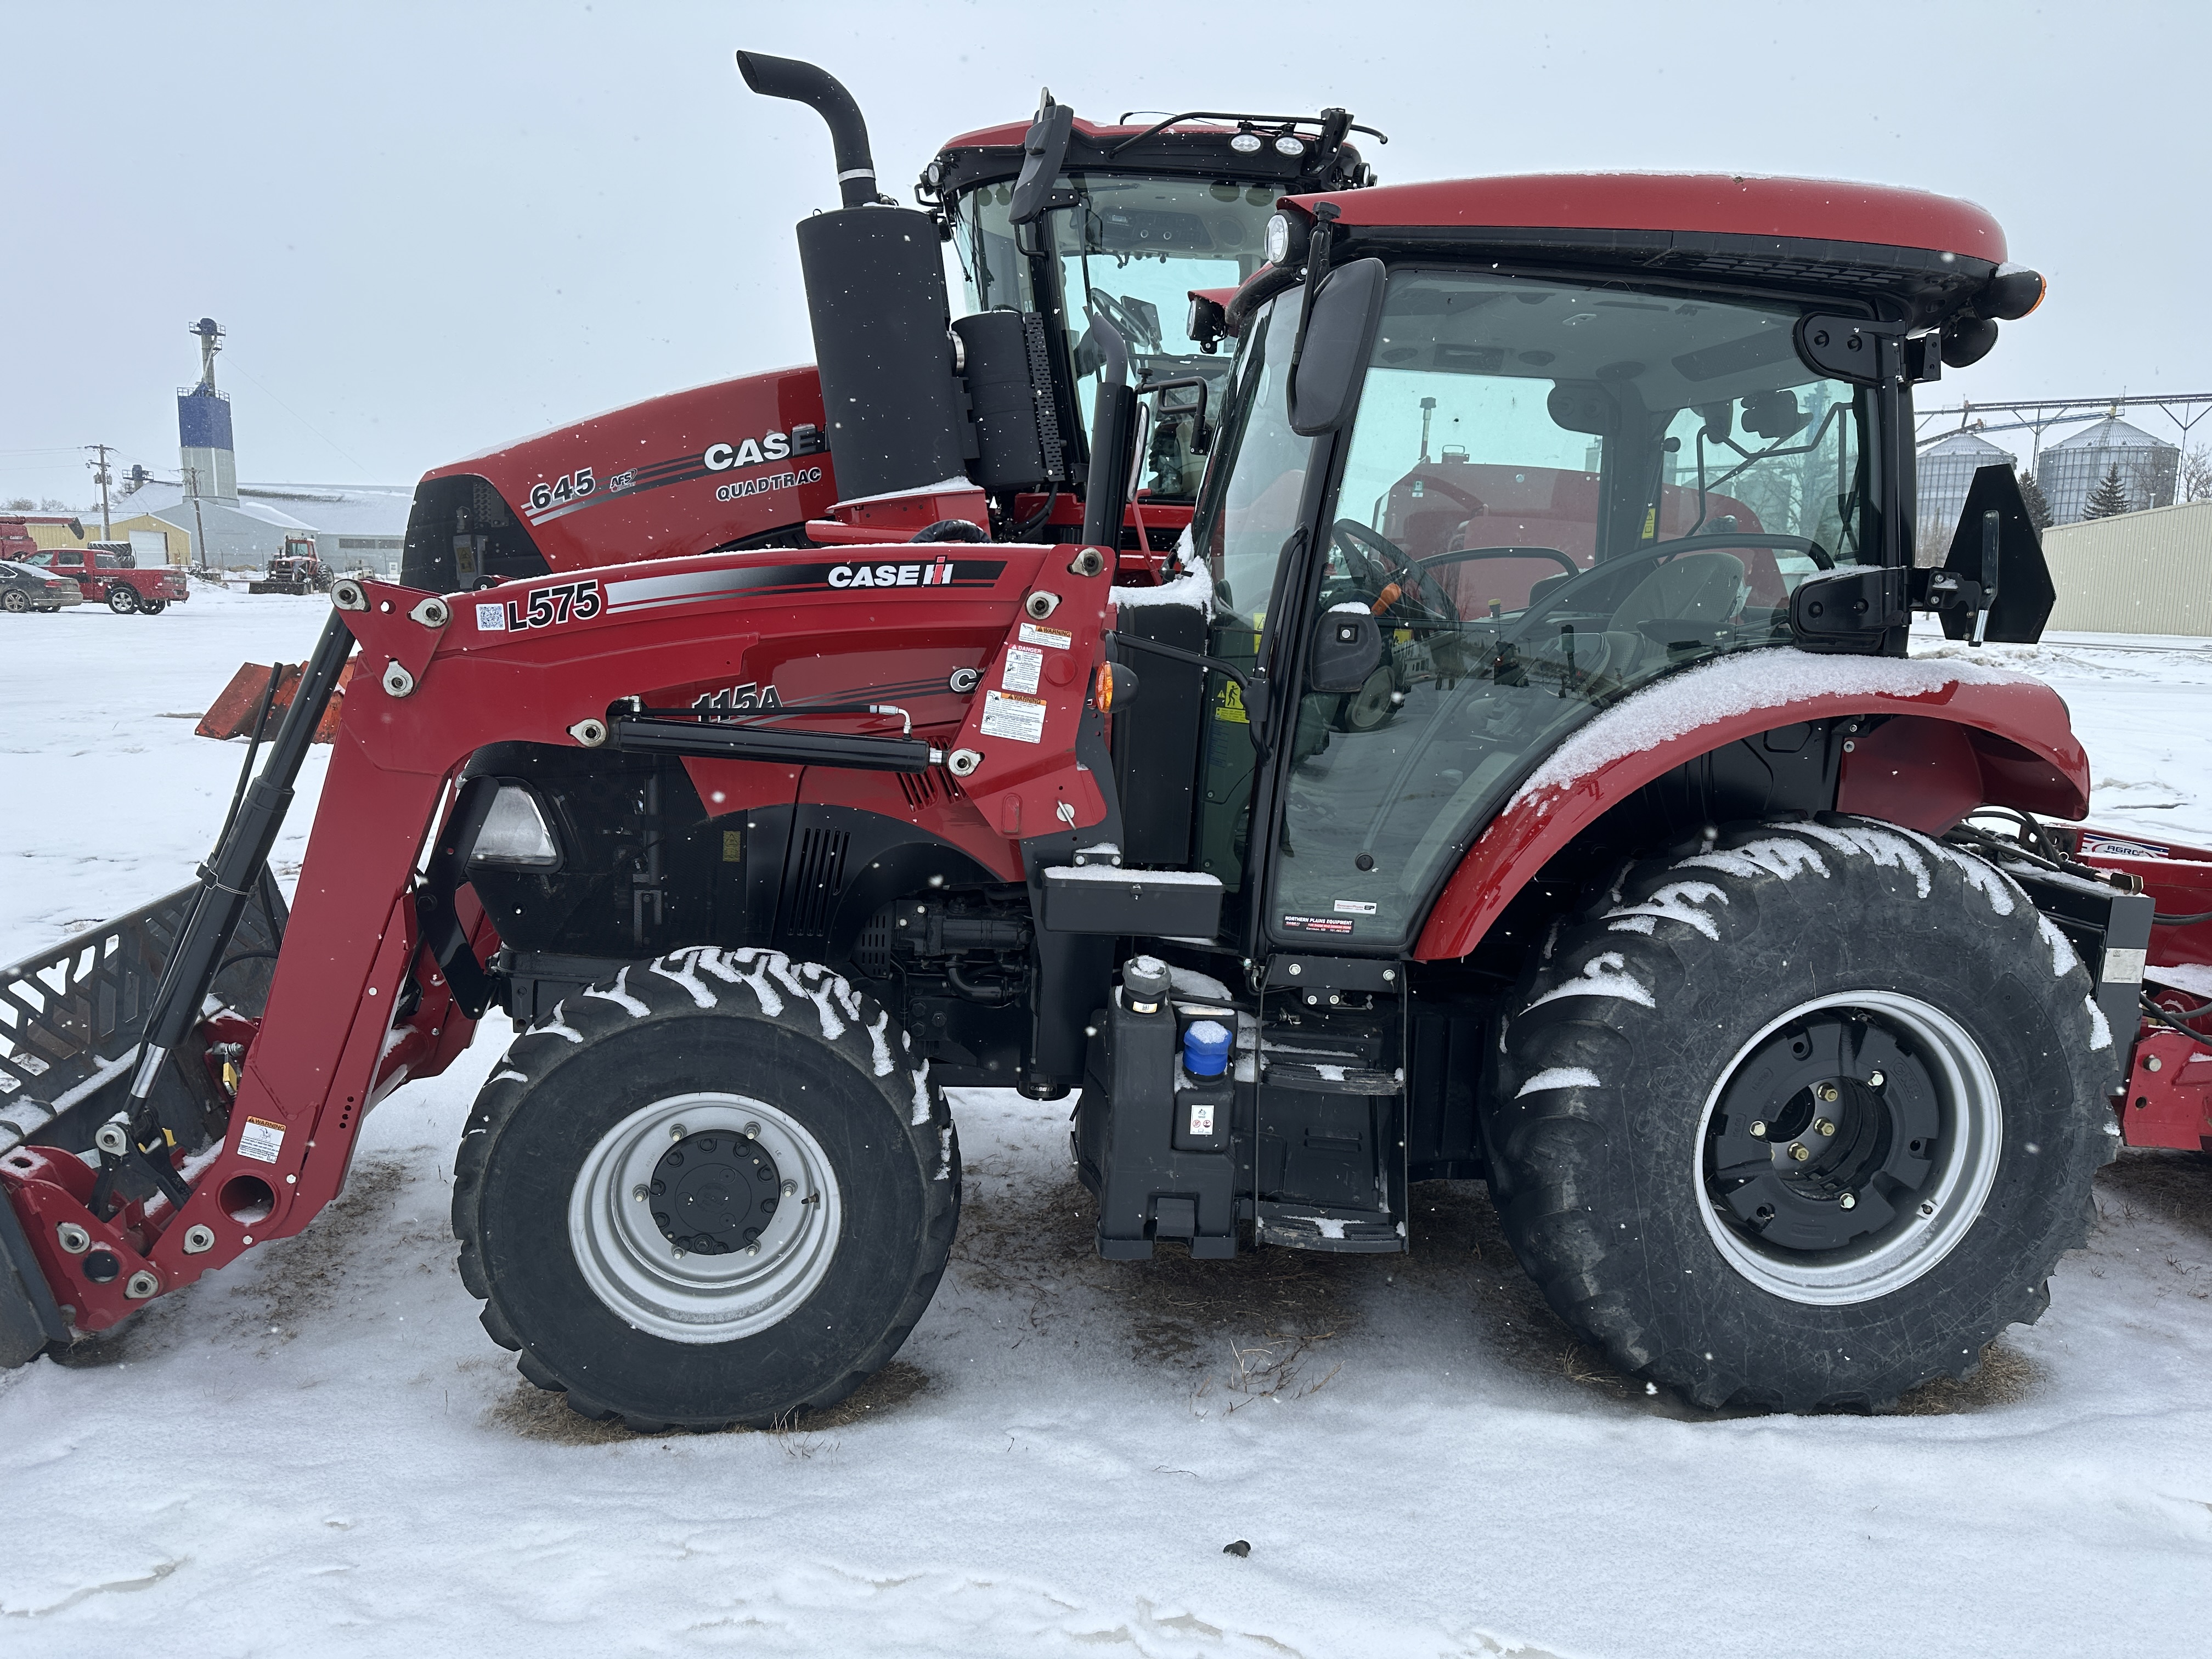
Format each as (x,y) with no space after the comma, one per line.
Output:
(1611,567)
(1372,547)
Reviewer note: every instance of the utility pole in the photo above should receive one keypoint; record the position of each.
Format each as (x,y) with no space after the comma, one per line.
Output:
(199,524)
(107,531)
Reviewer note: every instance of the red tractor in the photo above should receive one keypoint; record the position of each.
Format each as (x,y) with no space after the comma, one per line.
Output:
(1655,893)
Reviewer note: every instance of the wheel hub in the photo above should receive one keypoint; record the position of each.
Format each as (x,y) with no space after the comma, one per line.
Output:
(1849,1146)
(716,1192)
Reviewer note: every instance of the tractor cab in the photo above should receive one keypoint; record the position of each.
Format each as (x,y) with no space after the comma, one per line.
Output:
(1075,222)
(1553,465)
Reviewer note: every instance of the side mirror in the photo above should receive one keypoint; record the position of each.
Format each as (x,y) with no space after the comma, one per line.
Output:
(1335,345)
(1347,647)
(2004,560)
(1045,149)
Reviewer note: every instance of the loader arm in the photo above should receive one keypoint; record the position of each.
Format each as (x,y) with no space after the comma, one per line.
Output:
(549,663)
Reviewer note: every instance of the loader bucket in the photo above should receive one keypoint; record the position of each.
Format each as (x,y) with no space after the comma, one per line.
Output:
(231,714)
(72,1017)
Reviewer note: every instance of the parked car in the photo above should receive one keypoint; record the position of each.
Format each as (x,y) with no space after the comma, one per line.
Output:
(24,589)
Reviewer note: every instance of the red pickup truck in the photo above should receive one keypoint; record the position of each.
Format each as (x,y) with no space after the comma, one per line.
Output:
(108,571)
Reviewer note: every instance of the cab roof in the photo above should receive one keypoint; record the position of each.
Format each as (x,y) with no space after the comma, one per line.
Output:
(1709,204)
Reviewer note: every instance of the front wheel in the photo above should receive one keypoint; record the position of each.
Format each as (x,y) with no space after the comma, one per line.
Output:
(17,604)
(716,1189)
(122,600)
(1803,1120)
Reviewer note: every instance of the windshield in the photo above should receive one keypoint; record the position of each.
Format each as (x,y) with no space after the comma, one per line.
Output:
(1135,247)
(1552,494)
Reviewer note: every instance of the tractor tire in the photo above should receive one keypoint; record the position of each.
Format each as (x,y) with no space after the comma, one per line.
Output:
(122,600)
(1369,707)
(715,1190)
(17,604)
(1803,1119)
(152,607)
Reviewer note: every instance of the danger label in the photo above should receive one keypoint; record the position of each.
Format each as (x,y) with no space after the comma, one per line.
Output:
(1023,666)
(1021,718)
(1058,639)
(261,1141)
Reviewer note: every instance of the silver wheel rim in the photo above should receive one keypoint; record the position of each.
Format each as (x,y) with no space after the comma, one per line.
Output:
(684,1296)
(1971,1142)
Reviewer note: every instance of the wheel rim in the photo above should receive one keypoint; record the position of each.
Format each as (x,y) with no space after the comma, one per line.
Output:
(1849,1147)
(122,601)
(15,602)
(1371,705)
(701,1260)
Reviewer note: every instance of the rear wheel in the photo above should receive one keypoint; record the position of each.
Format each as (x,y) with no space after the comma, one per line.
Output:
(122,600)
(716,1190)
(1804,1119)
(152,607)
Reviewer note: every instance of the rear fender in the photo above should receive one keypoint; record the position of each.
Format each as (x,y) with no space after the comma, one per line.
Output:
(1961,736)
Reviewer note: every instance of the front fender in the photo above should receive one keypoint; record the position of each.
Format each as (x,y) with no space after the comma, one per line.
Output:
(1968,735)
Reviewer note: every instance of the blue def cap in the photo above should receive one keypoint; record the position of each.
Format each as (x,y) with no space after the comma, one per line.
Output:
(1205,1048)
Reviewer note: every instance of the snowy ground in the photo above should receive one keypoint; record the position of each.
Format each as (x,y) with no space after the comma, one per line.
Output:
(317,1451)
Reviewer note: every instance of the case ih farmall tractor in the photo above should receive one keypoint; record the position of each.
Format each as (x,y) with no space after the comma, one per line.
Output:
(1644,891)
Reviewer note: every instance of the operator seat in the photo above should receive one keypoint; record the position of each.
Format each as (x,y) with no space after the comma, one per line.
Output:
(1703,590)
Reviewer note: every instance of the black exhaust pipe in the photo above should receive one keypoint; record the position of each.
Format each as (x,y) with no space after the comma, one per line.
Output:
(802,83)
(877,301)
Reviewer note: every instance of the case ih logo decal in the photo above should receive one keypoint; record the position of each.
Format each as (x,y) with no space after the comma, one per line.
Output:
(938,574)
(554,498)
(542,607)
(632,594)
(758,452)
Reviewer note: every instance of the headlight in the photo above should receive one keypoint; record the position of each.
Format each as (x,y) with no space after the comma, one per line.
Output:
(515,836)
(1287,145)
(1279,239)
(1244,143)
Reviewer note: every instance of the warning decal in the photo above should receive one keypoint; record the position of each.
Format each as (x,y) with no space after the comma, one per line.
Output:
(261,1141)
(1058,638)
(1021,718)
(1023,665)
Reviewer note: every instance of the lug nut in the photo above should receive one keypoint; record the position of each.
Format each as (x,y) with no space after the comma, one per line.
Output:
(1824,1127)
(752,1249)
(1826,1093)
(1797,1151)
(1848,1200)
(641,1193)
(752,1131)
(677,1132)
(790,1188)
(1874,1080)
(1758,1132)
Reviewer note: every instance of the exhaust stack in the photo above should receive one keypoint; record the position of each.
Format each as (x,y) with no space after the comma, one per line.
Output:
(877,302)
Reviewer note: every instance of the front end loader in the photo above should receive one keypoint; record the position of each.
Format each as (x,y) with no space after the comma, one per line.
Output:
(1515,774)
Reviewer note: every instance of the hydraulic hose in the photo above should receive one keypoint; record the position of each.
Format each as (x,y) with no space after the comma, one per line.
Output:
(802,83)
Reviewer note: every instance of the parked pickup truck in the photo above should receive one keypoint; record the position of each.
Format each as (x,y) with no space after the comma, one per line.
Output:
(109,574)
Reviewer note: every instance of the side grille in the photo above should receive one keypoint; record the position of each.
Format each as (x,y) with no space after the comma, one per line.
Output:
(817,876)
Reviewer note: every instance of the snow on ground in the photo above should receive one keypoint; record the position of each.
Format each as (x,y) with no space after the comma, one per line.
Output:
(317,1451)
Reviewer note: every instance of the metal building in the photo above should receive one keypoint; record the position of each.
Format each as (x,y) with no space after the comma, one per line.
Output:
(1946,471)
(2069,471)
(2140,573)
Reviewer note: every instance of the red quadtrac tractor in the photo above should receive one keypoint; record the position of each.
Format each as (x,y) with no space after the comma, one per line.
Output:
(1652,884)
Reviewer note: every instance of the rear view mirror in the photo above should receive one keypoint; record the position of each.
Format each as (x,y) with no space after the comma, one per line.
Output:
(1348,648)
(1044,149)
(2017,589)
(1339,337)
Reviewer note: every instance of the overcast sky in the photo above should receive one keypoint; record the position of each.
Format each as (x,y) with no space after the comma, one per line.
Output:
(430,228)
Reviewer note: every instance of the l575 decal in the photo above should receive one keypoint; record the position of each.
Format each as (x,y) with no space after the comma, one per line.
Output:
(541,607)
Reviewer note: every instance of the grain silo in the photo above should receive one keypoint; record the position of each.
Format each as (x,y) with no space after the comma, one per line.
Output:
(2069,471)
(1946,473)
